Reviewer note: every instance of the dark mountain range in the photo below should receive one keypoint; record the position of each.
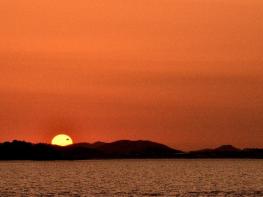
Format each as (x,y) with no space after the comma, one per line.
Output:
(20,150)
(99,150)
(127,148)
(227,148)
(226,151)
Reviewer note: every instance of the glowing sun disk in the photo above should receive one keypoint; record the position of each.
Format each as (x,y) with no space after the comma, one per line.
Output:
(62,140)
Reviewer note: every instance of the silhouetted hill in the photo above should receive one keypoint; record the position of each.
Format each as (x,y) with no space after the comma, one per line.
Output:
(127,148)
(20,150)
(227,148)
(17,150)
(226,151)
(98,144)
(24,150)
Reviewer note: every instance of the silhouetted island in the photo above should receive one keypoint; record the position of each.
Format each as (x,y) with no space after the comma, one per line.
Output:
(123,149)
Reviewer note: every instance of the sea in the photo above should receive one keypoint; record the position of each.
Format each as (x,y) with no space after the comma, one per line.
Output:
(145,177)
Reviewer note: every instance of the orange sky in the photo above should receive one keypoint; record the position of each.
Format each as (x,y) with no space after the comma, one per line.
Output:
(185,73)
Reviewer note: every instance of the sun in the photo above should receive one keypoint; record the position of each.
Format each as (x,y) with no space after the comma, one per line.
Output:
(62,140)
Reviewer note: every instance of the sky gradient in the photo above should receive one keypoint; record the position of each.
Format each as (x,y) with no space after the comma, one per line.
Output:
(185,73)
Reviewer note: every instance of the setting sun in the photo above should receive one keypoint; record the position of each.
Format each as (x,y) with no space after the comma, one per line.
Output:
(62,140)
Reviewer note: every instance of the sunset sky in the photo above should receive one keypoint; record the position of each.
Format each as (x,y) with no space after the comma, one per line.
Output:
(187,73)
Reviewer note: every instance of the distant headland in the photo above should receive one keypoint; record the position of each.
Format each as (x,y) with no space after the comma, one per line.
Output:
(122,149)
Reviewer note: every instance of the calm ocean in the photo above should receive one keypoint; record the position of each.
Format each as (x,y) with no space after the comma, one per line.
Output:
(132,178)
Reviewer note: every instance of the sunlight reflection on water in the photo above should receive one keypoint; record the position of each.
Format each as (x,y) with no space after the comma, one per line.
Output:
(132,178)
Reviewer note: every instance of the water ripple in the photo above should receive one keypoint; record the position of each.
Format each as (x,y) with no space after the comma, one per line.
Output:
(181,178)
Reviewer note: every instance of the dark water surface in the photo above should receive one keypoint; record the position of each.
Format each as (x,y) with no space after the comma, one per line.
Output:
(132,178)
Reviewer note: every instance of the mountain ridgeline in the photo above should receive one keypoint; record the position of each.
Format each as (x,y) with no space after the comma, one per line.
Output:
(123,149)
